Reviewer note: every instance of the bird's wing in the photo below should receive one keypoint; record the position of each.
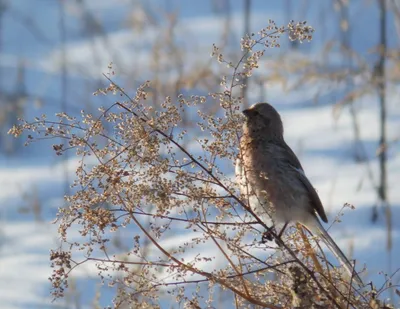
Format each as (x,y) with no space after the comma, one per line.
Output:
(315,201)
(295,164)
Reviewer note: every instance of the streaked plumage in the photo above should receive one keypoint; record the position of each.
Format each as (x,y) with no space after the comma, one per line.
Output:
(271,176)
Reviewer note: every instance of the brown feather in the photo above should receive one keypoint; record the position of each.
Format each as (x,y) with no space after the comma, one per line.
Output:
(314,198)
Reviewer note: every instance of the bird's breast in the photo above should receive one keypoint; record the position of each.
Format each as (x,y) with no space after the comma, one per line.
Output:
(263,168)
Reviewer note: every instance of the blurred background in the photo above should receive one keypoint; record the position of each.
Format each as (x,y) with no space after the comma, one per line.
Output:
(338,96)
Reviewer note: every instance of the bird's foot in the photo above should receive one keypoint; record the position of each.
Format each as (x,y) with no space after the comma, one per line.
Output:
(267,236)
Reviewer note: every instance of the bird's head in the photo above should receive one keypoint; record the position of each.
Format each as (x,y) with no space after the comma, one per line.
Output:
(262,118)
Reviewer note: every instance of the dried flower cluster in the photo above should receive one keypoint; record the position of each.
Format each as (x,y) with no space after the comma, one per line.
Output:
(160,182)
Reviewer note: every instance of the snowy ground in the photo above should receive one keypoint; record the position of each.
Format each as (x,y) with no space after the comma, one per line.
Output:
(324,146)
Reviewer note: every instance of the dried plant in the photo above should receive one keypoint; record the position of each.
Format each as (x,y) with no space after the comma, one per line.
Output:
(144,179)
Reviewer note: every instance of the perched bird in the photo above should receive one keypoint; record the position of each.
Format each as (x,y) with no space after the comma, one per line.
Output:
(271,176)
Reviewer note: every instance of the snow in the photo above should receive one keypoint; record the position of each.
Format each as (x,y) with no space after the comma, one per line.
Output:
(324,146)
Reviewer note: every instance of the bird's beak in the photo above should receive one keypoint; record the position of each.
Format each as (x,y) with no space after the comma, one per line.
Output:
(246,112)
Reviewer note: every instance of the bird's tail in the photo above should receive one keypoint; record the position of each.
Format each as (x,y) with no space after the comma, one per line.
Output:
(318,229)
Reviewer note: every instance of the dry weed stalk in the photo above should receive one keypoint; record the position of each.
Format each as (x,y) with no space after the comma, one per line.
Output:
(143,173)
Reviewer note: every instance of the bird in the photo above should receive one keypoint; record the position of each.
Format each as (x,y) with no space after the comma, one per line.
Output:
(272,178)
